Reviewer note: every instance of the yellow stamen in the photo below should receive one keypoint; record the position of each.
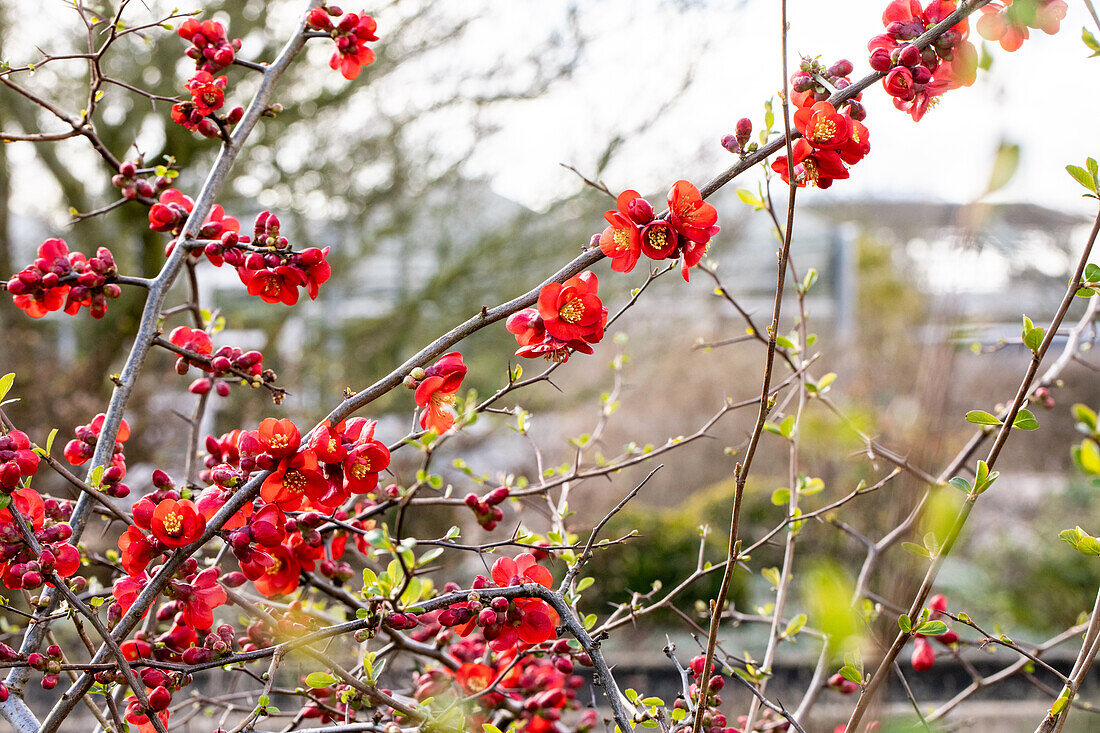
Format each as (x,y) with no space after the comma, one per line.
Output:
(572,311)
(173,524)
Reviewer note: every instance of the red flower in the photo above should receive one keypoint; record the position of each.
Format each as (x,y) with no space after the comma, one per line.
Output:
(530,332)
(137,551)
(823,126)
(30,506)
(924,656)
(362,464)
(1008,23)
(279,285)
(296,479)
(474,678)
(66,559)
(192,339)
(207,93)
(437,392)
(858,144)
(213,498)
(268,526)
(17,459)
(281,577)
(620,240)
(126,589)
(280,438)
(205,595)
(572,310)
(328,443)
(353,33)
(170,211)
(535,620)
(659,240)
(819,167)
(177,523)
(689,215)
(47,295)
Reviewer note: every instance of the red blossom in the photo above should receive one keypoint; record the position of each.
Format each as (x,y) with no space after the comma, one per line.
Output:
(280,438)
(281,577)
(363,463)
(823,126)
(437,392)
(621,240)
(296,479)
(137,551)
(817,167)
(572,310)
(207,93)
(177,523)
(204,596)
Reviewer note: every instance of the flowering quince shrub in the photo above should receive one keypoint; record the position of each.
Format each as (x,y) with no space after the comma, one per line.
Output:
(286,541)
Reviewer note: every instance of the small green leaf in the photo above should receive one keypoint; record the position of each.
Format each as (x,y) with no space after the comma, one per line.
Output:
(317,680)
(961,484)
(6,382)
(1082,176)
(915,549)
(781,497)
(749,197)
(851,674)
(1025,420)
(981,417)
(1091,42)
(904,623)
(931,628)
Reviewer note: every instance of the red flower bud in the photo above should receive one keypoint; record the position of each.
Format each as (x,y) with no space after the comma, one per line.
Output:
(880,59)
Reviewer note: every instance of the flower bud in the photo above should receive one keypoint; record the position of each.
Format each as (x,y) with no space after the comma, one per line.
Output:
(743,130)
(880,59)
(843,67)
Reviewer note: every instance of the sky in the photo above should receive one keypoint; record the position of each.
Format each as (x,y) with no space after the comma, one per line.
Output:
(628,82)
(1041,97)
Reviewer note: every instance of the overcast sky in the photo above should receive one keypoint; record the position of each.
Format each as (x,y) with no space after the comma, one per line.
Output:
(1043,97)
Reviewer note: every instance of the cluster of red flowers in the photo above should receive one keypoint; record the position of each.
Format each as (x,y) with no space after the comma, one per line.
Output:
(180,644)
(918,77)
(830,138)
(17,460)
(20,566)
(82,447)
(1007,22)
(268,268)
(351,33)
(505,623)
(545,686)
(924,656)
(632,230)
(171,210)
(569,316)
(49,664)
(436,388)
(485,510)
(212,51)
(60,278)
(340,460)
(221,366)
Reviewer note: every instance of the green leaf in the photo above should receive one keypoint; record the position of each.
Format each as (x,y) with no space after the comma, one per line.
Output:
(786,428)
(1089,546)
(49,440)
(961,484)
(1085,417)
(981,417)
(794,626)
(1060,704)
(1025,420)
(749,197)
(918,550)
(784,342)
(851,674)
(781,497)
(6,382)
(931,628)
(584,584)
(1082,176)
(320,679)
(1004,166)
(1091,42)
(1087,457)
(772,576)
(904,623)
